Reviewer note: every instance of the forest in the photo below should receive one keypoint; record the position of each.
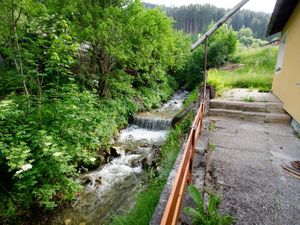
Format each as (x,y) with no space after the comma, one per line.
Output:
(195,19)
(72,73)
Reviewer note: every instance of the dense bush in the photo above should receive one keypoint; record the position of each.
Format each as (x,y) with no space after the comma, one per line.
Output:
(63,106)
(221,46)
(247,39)
(75,71)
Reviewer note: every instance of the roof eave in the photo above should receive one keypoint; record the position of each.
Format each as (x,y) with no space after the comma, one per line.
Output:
(280,16)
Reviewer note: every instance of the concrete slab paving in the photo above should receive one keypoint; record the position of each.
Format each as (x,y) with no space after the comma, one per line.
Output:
(239,94)
(245,170)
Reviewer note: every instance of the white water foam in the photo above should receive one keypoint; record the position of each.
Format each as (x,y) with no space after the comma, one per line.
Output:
(111,187)
(175,103)
(136,134)
(114,172)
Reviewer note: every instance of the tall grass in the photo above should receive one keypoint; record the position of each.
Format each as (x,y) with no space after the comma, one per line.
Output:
(257,71)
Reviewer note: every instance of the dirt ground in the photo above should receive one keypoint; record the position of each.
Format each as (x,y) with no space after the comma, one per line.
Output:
(245,170)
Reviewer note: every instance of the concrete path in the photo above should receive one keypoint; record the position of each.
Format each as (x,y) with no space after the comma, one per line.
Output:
(249,104)
(245,170)
(240,94)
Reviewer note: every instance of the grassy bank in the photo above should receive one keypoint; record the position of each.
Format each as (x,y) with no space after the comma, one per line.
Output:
(147,200)
(257,71)
(48,148)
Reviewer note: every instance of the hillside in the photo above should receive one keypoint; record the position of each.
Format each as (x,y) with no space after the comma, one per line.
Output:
(195,18)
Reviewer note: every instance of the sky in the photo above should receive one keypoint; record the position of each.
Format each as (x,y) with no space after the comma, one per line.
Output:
(255,5)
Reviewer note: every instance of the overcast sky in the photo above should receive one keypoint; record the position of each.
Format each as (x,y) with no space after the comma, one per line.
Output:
(255,5)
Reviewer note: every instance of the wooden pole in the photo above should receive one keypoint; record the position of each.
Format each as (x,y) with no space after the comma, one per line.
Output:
(218,24)
(205,70)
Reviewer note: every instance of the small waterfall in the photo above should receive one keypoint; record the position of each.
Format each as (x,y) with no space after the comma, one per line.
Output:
(160,119)
(152,123)
(112,187)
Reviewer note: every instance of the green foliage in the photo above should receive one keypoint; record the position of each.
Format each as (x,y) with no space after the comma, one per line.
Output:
(211,147)
(195,18)
(75,72)
(261,59)
(257,71)
(138,41)
(297,134)
(216,81)
(248,99)
(147,200)
(212,126)
(203,215)
(246,38)
(192,74)
(192,98)
(221,46)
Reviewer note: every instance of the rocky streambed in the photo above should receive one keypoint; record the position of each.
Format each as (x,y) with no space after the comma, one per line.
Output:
(111,188)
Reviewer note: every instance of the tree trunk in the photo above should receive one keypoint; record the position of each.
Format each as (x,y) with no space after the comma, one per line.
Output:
(39,97)
(17,47)
(102,85)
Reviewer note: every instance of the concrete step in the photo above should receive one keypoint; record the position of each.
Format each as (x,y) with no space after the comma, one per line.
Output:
(251,116)
(263,107)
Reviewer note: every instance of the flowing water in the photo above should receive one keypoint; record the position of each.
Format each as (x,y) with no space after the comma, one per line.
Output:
(111,188)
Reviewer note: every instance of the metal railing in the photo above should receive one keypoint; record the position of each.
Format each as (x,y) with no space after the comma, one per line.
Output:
(184,174)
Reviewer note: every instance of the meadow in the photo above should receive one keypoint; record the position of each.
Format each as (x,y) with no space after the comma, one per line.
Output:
(255,72)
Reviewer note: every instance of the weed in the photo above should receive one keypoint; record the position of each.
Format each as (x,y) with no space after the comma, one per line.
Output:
(297,134)
(212,126)
(206,215)
(248,99)
(192,98)
(211,147)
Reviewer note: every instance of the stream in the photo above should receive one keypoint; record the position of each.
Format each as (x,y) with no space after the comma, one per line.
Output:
(111,188)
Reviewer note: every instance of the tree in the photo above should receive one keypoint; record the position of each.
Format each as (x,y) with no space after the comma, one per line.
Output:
(131,55)
(10,17)
(221,46)
(195,18)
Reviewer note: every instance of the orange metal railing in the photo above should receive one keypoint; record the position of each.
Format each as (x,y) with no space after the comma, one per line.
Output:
(184,173)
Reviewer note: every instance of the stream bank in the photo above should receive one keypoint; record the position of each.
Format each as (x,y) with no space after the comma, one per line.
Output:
(112,188)
(148,198)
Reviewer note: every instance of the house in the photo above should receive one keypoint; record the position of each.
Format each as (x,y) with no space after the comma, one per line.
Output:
(286,82)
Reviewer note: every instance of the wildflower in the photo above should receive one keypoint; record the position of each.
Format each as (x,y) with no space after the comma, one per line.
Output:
(26,167)
(19,171)
(56,154)
(93,159)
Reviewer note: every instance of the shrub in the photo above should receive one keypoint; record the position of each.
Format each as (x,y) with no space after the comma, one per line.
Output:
(202,215)
(221,46)
(257,71)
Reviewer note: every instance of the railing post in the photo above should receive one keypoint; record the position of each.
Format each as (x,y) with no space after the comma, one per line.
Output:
(192,149)
(184,174)
(205,70)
